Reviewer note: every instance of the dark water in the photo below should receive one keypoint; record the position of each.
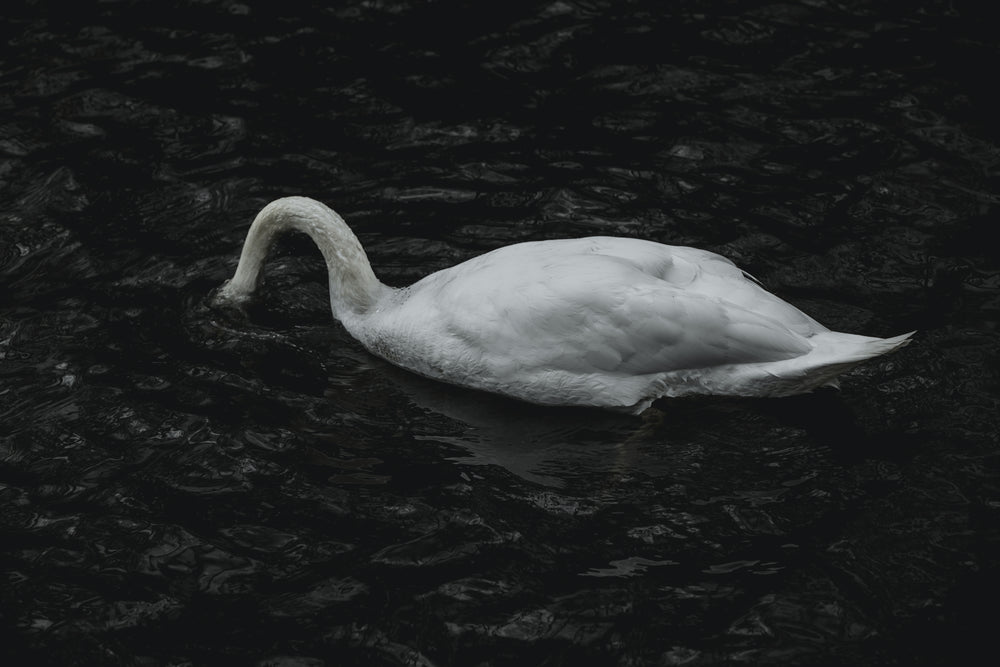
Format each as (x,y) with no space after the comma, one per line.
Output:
(182,486)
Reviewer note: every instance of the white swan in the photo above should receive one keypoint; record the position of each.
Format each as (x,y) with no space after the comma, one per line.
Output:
(600,321)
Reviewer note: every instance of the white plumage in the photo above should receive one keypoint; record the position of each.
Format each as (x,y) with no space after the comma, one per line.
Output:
(600,321)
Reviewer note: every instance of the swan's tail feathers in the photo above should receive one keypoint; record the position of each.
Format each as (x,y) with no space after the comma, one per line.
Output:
(877,346)
(833,353)
(837,353)
(851,347)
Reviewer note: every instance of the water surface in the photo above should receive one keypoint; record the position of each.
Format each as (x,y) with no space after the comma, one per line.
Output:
(183,485)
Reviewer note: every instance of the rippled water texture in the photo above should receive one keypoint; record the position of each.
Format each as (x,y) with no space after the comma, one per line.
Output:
(180,485)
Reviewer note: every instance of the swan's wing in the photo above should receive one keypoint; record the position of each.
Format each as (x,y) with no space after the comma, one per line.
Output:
(591,313)
(653,327)
(704,272)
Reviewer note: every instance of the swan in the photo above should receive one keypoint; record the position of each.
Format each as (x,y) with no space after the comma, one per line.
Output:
(600,321)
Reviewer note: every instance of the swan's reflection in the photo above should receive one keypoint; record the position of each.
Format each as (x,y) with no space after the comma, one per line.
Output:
(543,445)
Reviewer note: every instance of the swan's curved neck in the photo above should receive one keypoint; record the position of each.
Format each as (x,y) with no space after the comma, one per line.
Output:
(353,285)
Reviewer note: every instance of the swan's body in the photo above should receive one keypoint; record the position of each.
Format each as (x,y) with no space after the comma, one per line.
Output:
(600,321)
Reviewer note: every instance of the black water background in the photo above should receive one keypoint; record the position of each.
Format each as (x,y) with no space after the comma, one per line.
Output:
(185,486)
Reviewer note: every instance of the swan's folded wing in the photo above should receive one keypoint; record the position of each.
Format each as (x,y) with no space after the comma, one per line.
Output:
(704,272)
(610,319)
(655,328)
